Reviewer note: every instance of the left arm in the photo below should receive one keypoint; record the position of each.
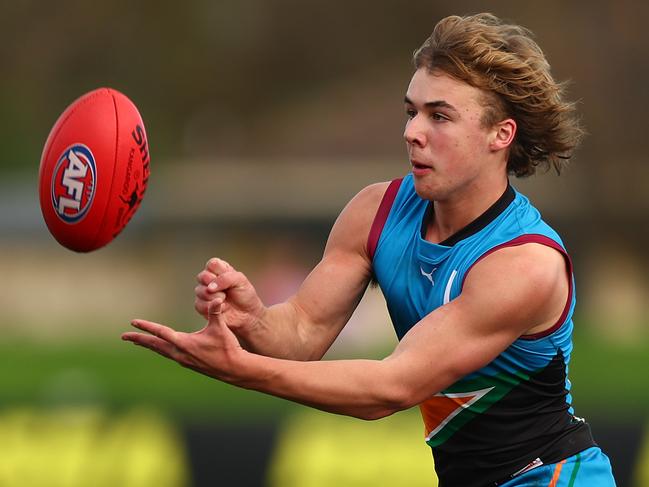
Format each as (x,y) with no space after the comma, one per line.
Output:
(507,294)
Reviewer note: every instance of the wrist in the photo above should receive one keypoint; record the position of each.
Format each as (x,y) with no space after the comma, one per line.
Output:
(252,370)
(252,328)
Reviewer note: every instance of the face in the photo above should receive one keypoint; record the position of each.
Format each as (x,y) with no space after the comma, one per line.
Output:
(449,149)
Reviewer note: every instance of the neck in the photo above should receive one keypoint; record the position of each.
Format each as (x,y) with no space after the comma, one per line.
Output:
(465,205)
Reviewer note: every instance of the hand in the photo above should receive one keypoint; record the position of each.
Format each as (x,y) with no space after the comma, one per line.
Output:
(220,284)
(213,351)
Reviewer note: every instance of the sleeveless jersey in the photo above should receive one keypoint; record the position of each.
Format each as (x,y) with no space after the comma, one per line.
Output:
(514,413)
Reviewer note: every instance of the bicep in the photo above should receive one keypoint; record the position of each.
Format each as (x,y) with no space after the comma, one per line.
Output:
(331,292)
(505,295)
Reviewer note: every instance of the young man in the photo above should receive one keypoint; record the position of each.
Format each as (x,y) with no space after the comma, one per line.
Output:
(479,288)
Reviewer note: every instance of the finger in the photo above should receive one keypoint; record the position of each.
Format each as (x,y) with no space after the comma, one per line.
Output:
(218,329)
(204,277)
(161,331)
(153,343)
(214,309)
(228,280)
(204,293)
(202,307)
(214,314)
(218,266)
(223,282)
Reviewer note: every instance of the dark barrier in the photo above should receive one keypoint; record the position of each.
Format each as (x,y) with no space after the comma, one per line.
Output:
(144,448)
(229,455)
(623,444)
(264,455)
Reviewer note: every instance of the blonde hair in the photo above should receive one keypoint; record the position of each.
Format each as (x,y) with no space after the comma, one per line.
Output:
(504,61)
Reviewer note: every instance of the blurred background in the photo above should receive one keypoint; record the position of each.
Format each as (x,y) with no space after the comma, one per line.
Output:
(264,118)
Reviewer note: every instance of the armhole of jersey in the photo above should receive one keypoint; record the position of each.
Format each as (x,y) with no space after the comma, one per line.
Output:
(381,216)
(543,240)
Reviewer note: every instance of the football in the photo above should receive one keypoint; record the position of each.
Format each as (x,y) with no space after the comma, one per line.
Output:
(94,170)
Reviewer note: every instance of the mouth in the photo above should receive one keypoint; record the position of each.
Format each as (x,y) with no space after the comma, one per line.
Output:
(419,169)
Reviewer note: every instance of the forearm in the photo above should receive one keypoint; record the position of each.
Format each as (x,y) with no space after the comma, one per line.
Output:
(285,331)
(366,389)
(274,333)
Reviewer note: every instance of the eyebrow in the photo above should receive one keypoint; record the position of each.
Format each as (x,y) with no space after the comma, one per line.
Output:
(433,104)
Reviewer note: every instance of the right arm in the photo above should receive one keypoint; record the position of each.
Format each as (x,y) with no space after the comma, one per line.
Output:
(305,326)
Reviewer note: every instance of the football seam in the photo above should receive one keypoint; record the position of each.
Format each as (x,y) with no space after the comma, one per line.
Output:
(112,180)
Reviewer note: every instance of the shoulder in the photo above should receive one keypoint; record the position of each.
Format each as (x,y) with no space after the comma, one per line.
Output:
(352,226)
(536,258)
(529,282)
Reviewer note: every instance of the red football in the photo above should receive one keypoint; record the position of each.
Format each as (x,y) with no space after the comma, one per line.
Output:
(94,170)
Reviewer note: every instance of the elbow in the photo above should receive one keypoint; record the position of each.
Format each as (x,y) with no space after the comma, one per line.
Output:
(390,400)
(373,413)
(377,413)
(402,397)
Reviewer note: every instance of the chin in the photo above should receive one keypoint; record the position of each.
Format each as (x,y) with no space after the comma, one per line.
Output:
(427,191)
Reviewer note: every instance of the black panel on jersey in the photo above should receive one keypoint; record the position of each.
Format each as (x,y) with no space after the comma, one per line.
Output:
(531,421)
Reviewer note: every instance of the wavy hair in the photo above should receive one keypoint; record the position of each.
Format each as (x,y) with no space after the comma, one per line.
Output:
(508,65)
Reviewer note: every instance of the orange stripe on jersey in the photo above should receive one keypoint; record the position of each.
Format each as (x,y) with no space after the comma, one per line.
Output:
(438,408)
(441,408)
(556,474)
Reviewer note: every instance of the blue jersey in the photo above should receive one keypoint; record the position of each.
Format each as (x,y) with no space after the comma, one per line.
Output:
(515,412)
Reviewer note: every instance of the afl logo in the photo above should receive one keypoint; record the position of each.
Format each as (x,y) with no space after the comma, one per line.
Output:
(73,183)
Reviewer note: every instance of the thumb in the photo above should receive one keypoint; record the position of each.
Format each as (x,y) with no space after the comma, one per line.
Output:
(218,328)
(214,311)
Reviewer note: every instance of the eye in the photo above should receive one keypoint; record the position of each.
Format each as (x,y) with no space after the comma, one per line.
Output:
(411,113)
(439,117)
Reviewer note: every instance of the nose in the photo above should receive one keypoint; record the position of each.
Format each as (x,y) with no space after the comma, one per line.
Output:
(413,133)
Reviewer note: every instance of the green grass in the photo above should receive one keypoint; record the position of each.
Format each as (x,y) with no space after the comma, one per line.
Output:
(607,378)
(119,377)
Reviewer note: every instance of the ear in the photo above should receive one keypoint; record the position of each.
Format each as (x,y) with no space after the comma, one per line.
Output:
(502,134)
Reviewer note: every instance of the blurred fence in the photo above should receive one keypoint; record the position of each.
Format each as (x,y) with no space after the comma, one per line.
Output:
(74,447)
